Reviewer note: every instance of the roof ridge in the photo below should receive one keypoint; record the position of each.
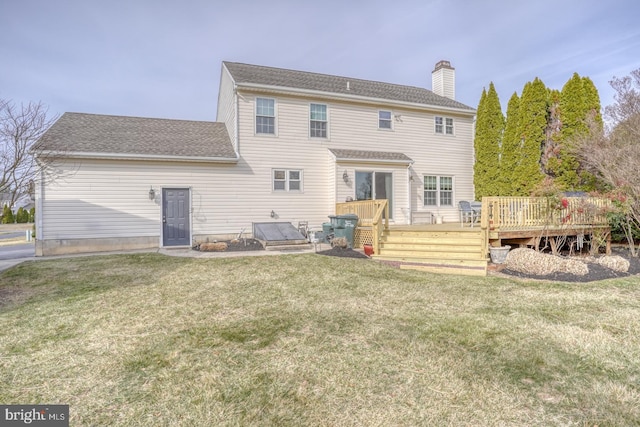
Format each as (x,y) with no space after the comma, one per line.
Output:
(138,117)
(353,79)
(268,76)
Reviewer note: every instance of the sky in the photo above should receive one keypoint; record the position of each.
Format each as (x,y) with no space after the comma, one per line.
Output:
(158,58)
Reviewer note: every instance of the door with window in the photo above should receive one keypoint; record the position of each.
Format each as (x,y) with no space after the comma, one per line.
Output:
(175,217)
(371,185)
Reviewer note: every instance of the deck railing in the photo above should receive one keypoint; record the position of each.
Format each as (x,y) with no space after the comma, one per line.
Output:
(371,213)
(503,213)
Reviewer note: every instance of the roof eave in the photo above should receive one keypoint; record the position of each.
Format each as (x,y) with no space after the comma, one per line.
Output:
(126,156)
(364,160)
(367,99)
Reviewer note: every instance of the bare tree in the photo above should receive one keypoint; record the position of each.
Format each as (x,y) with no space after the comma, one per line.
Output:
(613,154)
(20,130)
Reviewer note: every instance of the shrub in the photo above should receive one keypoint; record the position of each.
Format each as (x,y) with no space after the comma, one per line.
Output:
(7,215)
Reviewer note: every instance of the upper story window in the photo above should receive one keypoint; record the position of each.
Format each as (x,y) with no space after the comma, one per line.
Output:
(266,116)
(438,190)
(444,125)
(287,180)
(384,119)
(318,121)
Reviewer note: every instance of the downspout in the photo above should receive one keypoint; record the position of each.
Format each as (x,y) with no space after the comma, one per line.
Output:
(237,124)
(39,211)
(409,194)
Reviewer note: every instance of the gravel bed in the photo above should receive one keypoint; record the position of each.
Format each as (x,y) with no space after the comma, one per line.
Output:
(523,262)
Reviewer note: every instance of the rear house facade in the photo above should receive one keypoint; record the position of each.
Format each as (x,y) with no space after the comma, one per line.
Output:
(286,146)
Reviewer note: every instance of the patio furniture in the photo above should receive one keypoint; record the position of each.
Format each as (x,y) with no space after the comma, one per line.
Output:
(467,213)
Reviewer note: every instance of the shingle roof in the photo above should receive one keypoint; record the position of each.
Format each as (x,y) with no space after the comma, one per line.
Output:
(78,133)
(362,155)
(283,78)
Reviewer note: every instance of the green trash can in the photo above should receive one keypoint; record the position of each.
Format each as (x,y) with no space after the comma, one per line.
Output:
(340,232)
(327,230)
(336,221)
(350,224)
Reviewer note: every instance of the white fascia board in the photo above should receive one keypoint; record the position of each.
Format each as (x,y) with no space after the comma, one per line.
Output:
(369,100)
(125,156)
(352,160)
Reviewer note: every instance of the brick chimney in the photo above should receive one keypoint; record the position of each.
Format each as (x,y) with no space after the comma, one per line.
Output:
(443,80)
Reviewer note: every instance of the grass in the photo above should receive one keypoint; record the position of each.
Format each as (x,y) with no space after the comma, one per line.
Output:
(146,339)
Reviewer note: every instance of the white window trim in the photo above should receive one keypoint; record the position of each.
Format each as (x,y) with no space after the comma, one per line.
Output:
(275,118)
(326,121)
(438,190)
(390,120)
(444,126)
(286,180)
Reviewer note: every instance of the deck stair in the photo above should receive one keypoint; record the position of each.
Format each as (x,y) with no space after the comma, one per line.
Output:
(451,251)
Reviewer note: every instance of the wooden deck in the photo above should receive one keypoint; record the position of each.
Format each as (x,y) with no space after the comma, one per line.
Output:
(455,249)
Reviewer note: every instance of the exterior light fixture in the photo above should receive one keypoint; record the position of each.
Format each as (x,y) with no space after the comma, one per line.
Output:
(345,176)
(273,214)
(152,193)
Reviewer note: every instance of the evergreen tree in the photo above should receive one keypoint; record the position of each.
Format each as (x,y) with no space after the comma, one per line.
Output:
(487,143)
(550,152)
(20,215)
(510,152)
(579,102)
(7,215)
(532,124)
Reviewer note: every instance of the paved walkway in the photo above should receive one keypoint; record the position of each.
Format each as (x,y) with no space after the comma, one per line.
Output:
(181,252)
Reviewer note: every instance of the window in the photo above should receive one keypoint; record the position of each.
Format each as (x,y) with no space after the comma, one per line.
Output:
(287,180)
(384,119)
(438,124)
(318,121)
(444,125)
(265,116)
(438,190)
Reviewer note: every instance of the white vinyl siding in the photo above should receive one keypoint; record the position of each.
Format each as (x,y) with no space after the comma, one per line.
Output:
(109,199)
(227,106)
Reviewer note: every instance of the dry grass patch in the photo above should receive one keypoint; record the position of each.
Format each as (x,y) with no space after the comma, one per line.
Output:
(310,340)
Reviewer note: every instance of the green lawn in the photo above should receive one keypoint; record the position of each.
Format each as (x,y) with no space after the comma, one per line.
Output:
(150,340)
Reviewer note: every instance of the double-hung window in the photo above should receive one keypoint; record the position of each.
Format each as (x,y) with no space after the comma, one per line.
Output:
(287,180)
(318,121)
(438,190)
(444,125)
(384,119)
(265,116)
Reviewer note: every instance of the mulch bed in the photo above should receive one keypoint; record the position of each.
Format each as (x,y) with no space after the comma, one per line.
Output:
(343,253)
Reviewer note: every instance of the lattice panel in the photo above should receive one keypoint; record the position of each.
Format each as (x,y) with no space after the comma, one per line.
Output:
(363,236)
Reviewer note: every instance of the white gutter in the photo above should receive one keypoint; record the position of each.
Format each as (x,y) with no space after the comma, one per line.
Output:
(409,190)
(125,156)
(318,93)
(352,160)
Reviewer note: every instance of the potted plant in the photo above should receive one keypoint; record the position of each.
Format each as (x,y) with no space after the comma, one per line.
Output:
(499,253)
